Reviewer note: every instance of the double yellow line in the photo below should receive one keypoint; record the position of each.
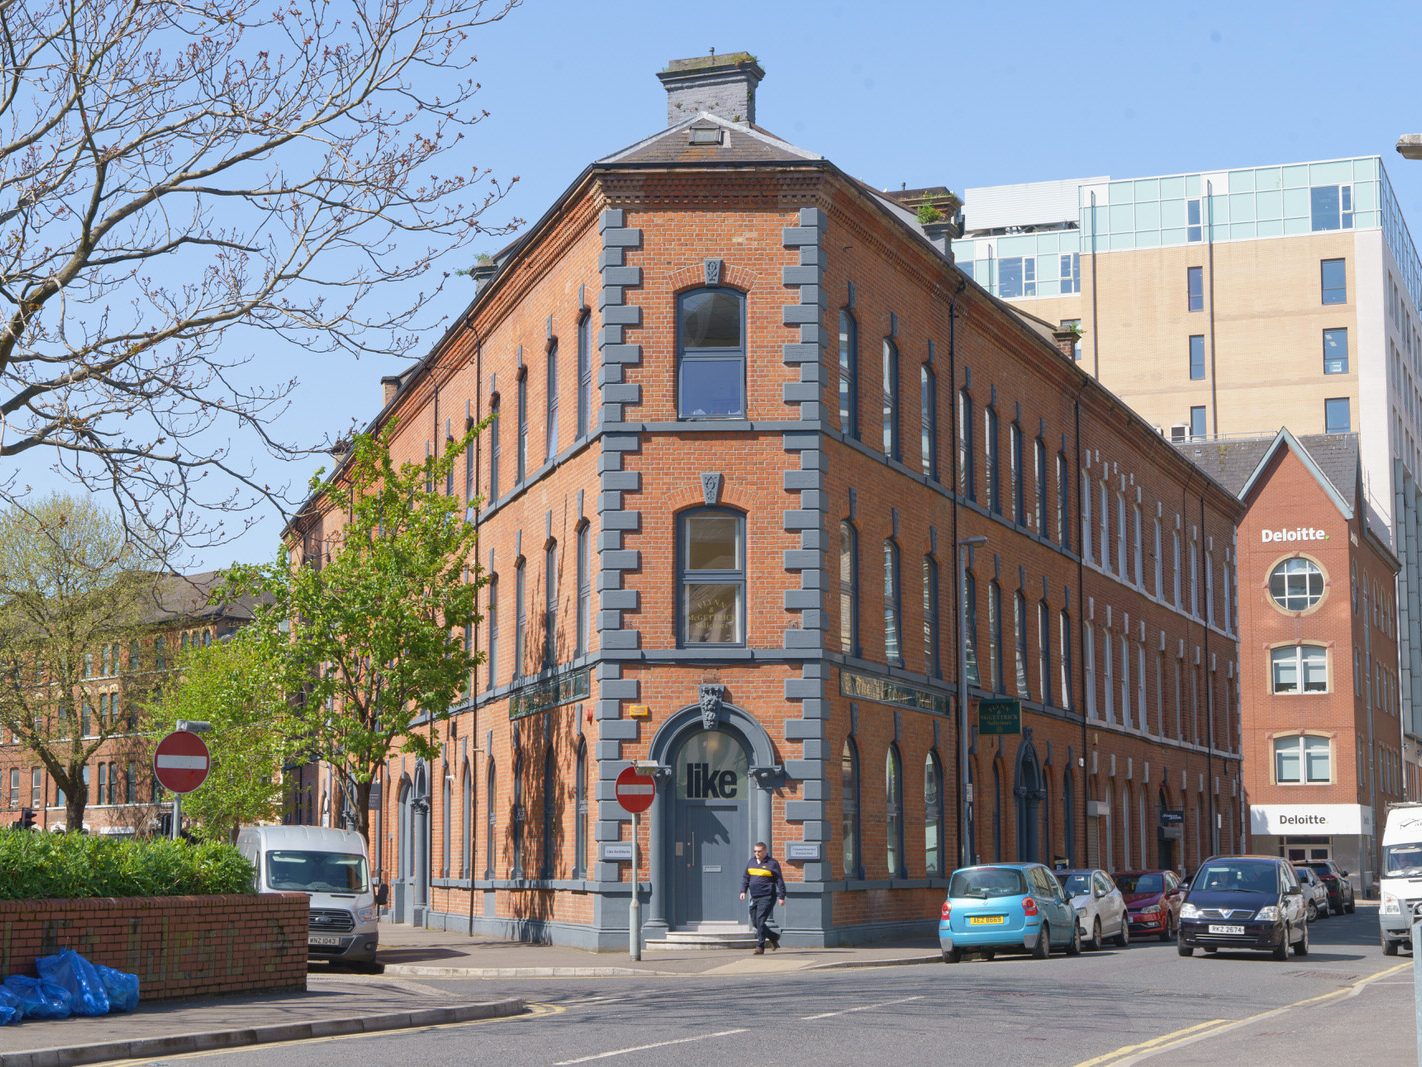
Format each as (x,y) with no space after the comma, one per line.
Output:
(1127,1054)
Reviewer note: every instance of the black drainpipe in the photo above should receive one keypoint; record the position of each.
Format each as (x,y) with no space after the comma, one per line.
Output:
(953,511)
(1209,706)
(1080,601)
(474,685)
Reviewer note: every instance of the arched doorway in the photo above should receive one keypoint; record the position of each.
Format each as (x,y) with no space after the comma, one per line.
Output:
(711,827)
(1028,791)
(412,887)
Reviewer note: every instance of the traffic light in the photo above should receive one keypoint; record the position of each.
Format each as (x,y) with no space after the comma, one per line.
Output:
(27,819)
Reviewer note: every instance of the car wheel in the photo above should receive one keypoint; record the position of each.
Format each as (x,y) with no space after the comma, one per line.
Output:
(952,955)
(1301,947)
(1281,950)
(1043,948)
(1184,949)
(1168,934)
(1096,940)
(1124,937)
(1338,908)
(1389,946)
(1074,945)
(1351,906)
(1312,911)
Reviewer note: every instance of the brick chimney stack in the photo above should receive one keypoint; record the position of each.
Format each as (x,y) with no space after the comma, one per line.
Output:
(723,85)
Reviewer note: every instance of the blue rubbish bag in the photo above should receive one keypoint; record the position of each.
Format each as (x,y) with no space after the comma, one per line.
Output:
(10,1010)
(68,969)
(121,987)
(39,999)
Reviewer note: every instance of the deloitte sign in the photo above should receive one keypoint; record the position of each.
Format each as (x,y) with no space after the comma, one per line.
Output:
(1300,533)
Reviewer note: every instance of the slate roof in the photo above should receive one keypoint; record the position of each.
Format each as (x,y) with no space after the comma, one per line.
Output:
(739,143)
(185,596)
(1232,462)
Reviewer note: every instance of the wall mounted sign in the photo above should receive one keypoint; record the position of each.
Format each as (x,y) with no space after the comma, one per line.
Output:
(900,694)
(548,694)
(1299,533)
(613,851)
(1000,716)
(802,850)
(1292,820)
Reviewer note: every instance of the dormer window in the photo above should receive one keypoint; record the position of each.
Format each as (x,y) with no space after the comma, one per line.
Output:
(706,135)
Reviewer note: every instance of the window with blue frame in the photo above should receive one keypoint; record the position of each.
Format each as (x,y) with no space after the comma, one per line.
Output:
(1016,276)
(712,576)
(1337,417)
(1197,422)
(848,375)
(1197,357)
(1335,351)
(1070,273)
(711,354)
(1193,230)
(1331,207)
(891,399)
(1333,281)
(893,650)
(1194,289)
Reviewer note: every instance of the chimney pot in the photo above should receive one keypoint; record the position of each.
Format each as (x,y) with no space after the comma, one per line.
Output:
(722,85)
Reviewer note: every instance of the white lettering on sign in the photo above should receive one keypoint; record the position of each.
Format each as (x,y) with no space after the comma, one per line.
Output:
(1302,820)
(1299,533)
(182,763)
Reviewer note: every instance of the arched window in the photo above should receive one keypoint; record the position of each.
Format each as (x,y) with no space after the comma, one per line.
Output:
(894,813)
(584,591)
(585,374)
(466,825)
(446,801)
(711,354)
(490,827)
(495,430)
(848,375)
(550,605)
(580,812)
(1296,584)
(891,400)
(933,858)
(550,437)
(712,576)
(893,649)
(928,425)
(1299,669)
(848,589)
(849,809)
(967,460)
(932,661)
(550,814)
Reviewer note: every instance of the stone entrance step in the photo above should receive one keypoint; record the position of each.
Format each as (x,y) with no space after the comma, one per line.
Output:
(703,936)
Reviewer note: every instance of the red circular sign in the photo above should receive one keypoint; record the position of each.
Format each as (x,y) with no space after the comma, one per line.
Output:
(181,761)
(635,791)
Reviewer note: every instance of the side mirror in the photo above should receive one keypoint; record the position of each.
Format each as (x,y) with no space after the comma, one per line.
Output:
(382,895)
(1343,874)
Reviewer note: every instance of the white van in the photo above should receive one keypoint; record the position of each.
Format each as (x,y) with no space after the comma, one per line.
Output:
(331,866)
(1401,875)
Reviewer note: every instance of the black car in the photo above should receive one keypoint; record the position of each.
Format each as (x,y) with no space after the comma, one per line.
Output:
(1335,880)
(1244,902)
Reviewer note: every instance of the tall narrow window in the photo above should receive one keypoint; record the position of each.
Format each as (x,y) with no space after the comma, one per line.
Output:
(970,637)
(1044,650)
(1089,652)
(1137,549)
(495,431)
(1063,501)
(548,864)
(848,590)
(1039,458)
(891,399)
(1334,279)
(1197,422)
(931,660)
(1194,289)
(517,816)
(550,605)
(446,823)
(585,375)
(1197,357)
(1193,231)
(550,437)
(520,618)
(1019,634)
(1086,524)
(490,822)
(1175,569)
(894,813)
(584,590)
(448,474)
(711,354)
(492,622)
(1019,486)
(994,472)
(893,651)
(1121,534)
(1108,677)
(928,428)
(1335,350)
(470,468)
(848,375)
(996,668)
(966,451)
(1066,680)
(849,810)
(580,811)
(522,471)
(466,824)
(713,577)
(933,854)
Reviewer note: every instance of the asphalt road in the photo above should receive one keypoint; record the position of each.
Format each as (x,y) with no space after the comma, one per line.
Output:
(1110,1007)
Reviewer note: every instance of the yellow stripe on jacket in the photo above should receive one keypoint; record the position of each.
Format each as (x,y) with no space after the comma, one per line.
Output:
(760,872)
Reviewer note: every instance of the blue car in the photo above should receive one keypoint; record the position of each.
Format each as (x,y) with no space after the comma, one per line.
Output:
(1009,907)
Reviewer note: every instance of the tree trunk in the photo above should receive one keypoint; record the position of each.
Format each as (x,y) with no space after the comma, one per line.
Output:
(75,801)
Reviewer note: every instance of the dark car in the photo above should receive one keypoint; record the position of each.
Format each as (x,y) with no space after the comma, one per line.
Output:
(1335,880)
(1153,899)
(1244,902)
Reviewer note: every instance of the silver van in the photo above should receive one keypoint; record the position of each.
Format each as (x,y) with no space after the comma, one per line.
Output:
(331,866)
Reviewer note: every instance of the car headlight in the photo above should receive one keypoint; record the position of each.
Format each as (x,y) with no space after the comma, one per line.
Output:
(1081,911)
(1151,911)
(1189,911)
(1391,905)
(368,914)
(1269,913)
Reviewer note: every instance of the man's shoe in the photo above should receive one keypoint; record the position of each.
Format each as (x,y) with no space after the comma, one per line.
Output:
(775,945)
(759,950)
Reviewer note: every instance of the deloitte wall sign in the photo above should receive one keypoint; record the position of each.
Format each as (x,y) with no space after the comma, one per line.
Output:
(1299,533)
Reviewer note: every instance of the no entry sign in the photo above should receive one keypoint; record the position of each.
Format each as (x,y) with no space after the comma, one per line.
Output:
(181,761)
(635,792)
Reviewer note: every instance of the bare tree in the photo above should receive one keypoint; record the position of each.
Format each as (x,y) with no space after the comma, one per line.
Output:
(184,183)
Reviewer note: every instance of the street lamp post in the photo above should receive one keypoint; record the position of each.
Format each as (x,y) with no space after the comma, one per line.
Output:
(1409,146)
(965,796)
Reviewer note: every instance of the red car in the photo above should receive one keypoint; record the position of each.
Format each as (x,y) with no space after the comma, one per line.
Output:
(1153,900)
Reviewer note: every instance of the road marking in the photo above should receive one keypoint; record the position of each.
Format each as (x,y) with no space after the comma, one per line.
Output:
(1131,1054)
(862,1007)
(657,1044)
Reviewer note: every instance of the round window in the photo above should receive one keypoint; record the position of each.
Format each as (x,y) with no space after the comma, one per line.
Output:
(1296,584)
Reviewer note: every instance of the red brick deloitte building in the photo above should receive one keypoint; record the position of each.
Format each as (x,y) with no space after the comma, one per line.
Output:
(1322,737)
(748,409)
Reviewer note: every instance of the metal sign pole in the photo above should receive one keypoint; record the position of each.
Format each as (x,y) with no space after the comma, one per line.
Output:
(634,910)
(177,815)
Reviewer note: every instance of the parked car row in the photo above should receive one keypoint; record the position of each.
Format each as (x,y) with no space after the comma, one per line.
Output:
(1251,902)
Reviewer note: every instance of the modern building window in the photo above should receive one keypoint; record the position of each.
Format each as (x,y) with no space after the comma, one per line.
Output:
(550,605)
(1296,584)
(1019,635)
(1195,288)
(1070,267)
(1197,423)
(585,374)
(848,589)
(1064,634)
(1075,326)
(967,459)
(1193,230)
(520,617)
(711,354)
(521,460)
(1302,760)
(996,651)
(1299,669)
(848,375)
(994,469)
(894,813)
(1039,464)
(490,822)
(1197,357)
(1016,276)
(891,400)
(1044,650)
(893,650)
(1334,281)
(712,577)
(928,427)
(495,429)
(1331,207)
(584,589)
(550,437)
(492,621)
(849,810)
(1335,350)
(1019,485)
(580,811)
(933,854)
(1063,501)
(932,663)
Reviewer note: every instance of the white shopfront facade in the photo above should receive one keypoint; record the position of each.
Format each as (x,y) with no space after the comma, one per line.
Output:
(1345,833)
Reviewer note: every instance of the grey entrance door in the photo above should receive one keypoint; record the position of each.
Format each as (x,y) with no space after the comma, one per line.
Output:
(711,829)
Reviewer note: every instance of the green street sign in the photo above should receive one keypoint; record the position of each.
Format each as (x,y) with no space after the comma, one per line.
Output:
(1000,716)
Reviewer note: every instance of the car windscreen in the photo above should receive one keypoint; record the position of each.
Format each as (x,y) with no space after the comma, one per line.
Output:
(985,882)
(1075,883)
(1402,861)
(300,871)
(1321,869)
(1237,876)
(1141,883)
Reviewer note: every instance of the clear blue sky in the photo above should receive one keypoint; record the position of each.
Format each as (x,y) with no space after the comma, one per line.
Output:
(934,94)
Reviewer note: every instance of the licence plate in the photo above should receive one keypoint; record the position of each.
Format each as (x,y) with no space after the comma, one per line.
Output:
(318,939)
(1226,929)
(986,920)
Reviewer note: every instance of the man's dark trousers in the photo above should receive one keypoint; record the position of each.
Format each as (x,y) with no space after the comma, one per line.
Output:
(760,909)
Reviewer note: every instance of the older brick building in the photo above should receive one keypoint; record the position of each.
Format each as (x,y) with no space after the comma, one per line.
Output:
(747,412)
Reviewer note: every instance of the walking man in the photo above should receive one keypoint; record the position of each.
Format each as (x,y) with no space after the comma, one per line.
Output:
(764,883)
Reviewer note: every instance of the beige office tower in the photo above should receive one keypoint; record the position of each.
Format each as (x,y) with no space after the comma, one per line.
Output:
(1231,303)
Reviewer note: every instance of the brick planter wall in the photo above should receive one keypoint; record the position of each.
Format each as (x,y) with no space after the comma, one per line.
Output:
(178,946)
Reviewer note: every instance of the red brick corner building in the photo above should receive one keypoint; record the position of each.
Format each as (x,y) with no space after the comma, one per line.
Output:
(748,412)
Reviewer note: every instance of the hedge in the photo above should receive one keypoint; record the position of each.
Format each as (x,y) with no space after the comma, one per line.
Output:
(41,866)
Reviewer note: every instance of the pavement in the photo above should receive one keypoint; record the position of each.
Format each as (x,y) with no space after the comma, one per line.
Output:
(337,1003)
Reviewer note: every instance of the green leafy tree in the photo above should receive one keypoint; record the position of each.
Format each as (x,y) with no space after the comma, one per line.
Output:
(373,622)
(238,685)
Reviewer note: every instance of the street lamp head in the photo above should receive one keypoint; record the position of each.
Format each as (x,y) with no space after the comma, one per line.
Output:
(1409,146)
(972,542)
